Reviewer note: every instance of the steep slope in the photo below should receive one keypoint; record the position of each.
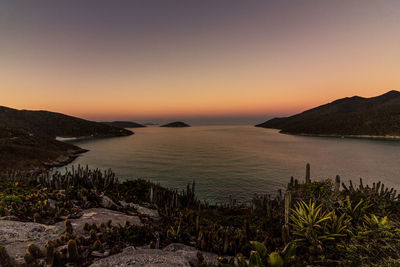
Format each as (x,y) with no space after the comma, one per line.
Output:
(347,116)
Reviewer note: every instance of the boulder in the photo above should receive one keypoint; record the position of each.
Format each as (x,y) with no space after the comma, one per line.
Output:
(100,215)
(142,210)
(172,255)
(107,202)
(15,236)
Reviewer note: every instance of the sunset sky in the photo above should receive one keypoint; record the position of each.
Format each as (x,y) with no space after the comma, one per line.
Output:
(141,60)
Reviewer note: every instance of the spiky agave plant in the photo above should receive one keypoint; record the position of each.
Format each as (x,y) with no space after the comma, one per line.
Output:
(338,226)
(375,222)
(355,212)
(307,221)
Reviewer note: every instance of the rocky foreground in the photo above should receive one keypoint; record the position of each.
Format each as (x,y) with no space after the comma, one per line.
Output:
(87,218)
(16,236)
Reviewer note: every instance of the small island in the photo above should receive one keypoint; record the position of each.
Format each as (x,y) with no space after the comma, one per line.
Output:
(124,124)
(176,124)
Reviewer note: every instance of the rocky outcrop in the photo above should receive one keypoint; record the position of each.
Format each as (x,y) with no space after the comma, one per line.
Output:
(99,216)
(172,255)
(107,203)
(142,210)
(16,236)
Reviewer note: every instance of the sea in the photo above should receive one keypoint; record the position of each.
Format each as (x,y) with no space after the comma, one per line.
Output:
(238,161)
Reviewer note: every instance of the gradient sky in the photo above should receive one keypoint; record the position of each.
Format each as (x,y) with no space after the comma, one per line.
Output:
(165,59)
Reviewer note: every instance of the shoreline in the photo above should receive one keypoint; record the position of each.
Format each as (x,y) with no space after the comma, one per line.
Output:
(65,159)
(374,137)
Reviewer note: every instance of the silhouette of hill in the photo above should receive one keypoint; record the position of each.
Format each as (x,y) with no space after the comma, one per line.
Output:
(27,138)
(124,124)
(377,116)
(176,124)
(53,124)
(22,151)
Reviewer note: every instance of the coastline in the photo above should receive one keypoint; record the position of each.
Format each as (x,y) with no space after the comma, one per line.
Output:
(376,137)
(65,159)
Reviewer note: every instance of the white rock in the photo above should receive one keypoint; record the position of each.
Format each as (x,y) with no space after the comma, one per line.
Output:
(100,215)
(172,255)
(16,236)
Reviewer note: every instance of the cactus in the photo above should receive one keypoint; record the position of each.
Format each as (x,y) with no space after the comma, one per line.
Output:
(68,227)
(50,253)
(275,260)
(36,217)
(5,259)
(285,233)
(73,253)
(86,227)
(29,259)
(97,245)
(288,199)
(34,251)
(308,179)
(93,234)
(337,183)
(255,259)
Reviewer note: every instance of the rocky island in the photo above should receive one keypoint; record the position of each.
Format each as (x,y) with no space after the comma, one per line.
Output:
(176,124)
(375,117)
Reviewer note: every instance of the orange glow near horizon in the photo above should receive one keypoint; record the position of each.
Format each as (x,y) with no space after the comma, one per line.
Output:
(244,60)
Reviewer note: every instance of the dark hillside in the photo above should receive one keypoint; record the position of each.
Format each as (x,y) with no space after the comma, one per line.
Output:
(347,116)
(53,124)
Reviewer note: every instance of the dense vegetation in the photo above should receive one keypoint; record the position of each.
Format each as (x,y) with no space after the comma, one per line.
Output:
(323,223)
(377,116)
(124,124)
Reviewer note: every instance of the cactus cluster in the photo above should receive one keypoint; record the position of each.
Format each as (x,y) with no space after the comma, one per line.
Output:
(226,229)
(377,190)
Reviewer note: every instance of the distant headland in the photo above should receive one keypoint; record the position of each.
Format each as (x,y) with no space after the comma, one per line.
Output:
(124,124)
(374,117)
(28,138)
(176,124)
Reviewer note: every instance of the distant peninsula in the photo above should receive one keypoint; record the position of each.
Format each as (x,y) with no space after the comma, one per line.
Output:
(375,117)
(176,124)
(124,124)
(28,138)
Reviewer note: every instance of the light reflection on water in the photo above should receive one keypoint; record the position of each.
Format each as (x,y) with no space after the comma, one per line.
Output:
(238,160)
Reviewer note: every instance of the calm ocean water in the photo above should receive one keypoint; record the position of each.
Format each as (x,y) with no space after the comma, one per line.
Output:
(238,160)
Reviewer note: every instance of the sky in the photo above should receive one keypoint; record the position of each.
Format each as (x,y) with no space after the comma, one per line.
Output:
(208,60)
